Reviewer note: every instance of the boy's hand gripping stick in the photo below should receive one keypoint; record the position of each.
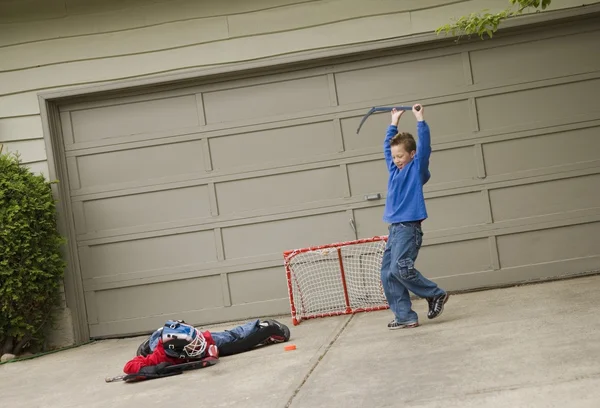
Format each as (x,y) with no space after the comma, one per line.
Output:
(384,109)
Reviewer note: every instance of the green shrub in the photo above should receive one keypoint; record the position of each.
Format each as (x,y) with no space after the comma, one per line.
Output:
(31,265)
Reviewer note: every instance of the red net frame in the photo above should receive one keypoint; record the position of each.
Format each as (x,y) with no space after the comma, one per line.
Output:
(335,279)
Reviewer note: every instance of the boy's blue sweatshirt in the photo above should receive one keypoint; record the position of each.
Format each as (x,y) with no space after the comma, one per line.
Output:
(405,200)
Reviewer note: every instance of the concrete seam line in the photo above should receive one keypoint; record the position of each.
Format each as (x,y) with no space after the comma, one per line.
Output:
(316,359)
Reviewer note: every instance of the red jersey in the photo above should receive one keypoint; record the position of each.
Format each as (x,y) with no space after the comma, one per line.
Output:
(159,356)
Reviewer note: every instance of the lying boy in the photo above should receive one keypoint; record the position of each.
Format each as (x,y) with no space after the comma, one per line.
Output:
(177,343)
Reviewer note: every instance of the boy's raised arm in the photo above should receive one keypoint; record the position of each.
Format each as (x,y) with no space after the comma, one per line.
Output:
(392,130)
(424,140)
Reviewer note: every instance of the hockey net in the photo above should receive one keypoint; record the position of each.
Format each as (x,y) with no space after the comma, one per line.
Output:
(335,279)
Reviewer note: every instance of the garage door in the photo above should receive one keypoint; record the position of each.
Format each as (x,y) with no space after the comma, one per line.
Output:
(184,199)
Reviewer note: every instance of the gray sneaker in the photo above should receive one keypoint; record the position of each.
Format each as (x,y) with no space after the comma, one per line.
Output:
(394,325)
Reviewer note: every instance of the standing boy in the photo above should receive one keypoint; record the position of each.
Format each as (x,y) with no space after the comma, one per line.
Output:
(408,166)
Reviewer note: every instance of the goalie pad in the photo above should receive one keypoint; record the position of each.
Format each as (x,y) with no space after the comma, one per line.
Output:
(267,331)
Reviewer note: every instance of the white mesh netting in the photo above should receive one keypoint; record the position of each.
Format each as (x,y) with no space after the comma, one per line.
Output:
(316,279)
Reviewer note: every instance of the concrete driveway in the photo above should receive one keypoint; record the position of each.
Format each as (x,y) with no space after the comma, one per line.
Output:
(528,346)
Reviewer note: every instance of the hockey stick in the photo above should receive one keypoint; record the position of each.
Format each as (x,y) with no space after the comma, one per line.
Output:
(167,371)
(383,109)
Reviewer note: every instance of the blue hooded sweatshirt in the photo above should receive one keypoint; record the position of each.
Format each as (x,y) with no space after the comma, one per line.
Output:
(405,201)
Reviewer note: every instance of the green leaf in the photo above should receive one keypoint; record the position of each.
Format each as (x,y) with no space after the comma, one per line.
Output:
(486,23)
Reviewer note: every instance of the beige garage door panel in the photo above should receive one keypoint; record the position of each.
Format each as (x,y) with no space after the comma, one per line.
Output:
(433,75)
(538,60)
(455,258)
(286,189)
(145,209)
(447,121)
(140,165)
(456,211)
(369,222)
(134,118)
(549,245)
(550,197)
(157,299)
(274,237)
(257,285)
(542,152)
(164,252)
(566,102)
(293,143)
(262,101)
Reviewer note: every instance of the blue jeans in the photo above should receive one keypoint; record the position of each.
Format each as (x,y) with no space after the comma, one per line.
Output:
(220,338)
(398,272)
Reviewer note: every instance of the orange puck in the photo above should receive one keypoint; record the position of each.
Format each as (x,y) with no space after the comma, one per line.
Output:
(290,347)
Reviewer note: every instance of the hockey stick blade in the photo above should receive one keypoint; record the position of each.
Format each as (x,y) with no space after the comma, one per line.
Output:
(167,372)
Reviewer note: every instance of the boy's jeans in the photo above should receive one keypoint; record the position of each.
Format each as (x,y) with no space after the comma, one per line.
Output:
(237,333)
(220,338)
(398,273)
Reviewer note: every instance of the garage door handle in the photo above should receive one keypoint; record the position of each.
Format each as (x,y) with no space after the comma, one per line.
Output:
(353,225)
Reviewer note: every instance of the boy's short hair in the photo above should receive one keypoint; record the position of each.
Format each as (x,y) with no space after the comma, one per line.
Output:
(406,140)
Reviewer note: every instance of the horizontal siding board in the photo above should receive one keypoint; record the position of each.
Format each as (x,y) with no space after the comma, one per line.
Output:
(21,128)
(29,150)
(313,14)
(21,104)
(23,10)
(110,18)
(40,167)
(196,31)
(142,40)
(220,52)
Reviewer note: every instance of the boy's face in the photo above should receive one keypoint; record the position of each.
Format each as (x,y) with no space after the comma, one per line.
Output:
(400,156)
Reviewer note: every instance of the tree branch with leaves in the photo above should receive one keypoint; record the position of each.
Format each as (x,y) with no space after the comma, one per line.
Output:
(485,23)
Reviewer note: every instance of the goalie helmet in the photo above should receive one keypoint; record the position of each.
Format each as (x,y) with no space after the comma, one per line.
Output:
(180,340)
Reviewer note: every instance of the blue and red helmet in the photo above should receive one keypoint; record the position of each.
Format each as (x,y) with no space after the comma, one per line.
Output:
(180,340)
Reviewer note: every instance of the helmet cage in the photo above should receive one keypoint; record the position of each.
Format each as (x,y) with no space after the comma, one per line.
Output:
(181,340)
